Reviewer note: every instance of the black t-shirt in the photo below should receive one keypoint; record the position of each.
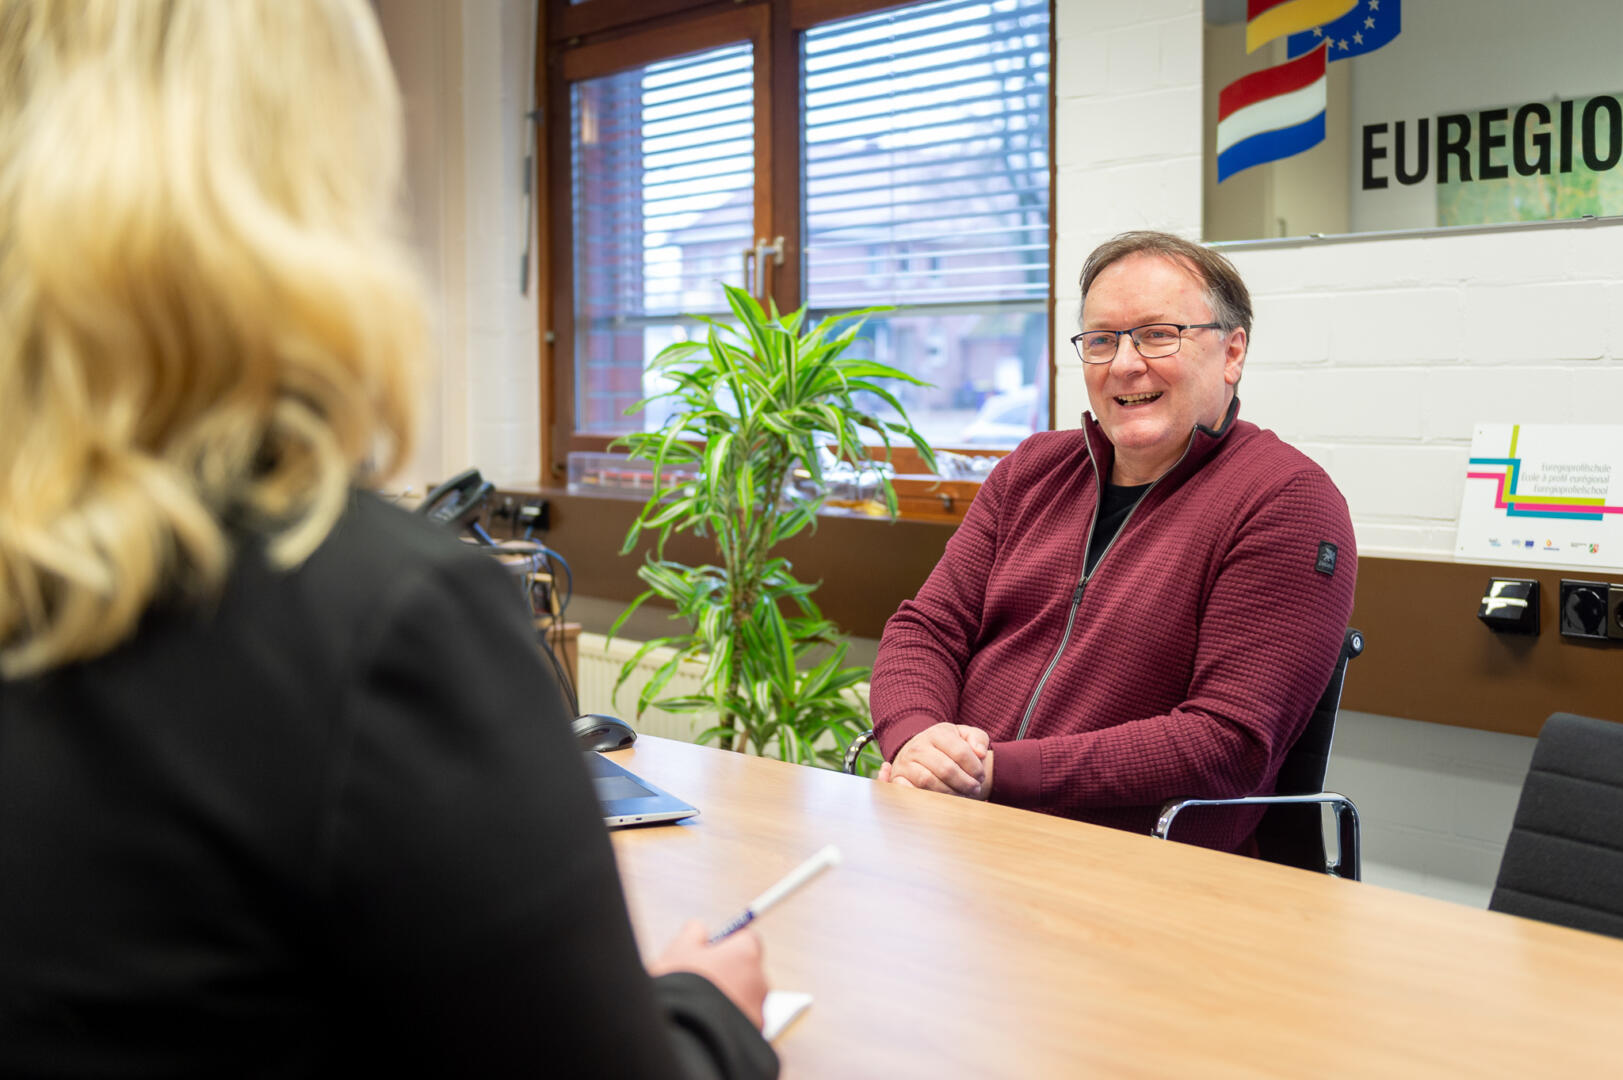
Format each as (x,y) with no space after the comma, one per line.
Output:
(1118,502)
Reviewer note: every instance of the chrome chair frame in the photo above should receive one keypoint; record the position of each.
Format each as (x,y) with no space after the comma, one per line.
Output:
(854,751)
(1346,862)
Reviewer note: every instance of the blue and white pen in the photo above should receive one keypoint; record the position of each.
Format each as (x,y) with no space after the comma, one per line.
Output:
(791,881)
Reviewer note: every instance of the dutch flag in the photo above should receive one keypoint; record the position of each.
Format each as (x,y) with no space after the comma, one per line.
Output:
(1271,114)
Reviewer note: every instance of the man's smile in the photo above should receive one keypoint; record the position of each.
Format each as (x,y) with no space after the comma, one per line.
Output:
(1128,400)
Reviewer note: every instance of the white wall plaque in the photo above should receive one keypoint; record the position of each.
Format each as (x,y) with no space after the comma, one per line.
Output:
(1545,494)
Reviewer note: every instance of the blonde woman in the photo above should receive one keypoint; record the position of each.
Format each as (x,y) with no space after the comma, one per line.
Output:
(284,786)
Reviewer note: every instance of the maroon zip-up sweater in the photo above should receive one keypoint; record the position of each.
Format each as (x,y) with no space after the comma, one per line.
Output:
(1186,664)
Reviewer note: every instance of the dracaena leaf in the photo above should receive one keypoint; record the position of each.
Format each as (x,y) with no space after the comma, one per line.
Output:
(746,405)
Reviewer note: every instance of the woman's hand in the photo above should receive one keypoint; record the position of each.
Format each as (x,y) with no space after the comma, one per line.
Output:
(733,964)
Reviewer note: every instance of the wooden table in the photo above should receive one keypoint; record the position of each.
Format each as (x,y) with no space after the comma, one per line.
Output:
(968,940)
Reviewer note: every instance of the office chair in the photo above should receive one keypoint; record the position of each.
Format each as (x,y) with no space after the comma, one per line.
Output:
(1563,862)
(1290,831)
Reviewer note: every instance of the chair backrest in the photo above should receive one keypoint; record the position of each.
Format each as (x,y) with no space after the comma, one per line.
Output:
(1294,834)
(1563,862)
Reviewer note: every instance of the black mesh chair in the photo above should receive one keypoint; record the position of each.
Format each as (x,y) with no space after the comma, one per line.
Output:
(1563,862)
(1290,831)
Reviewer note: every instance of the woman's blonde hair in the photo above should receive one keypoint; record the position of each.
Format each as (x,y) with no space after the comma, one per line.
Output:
(208,323)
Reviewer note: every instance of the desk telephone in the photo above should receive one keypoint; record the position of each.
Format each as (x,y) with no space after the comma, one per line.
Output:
(457,502)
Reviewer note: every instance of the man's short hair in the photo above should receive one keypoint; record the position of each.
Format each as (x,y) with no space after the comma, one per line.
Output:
(1226,293)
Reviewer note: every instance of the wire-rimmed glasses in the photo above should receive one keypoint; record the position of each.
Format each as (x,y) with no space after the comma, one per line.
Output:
(1152,340)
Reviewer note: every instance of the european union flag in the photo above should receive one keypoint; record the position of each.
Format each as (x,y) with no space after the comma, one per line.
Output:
(1364,29)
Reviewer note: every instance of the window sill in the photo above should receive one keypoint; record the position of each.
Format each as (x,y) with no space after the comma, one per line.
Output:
(920,498)
(921,495)
(863,578)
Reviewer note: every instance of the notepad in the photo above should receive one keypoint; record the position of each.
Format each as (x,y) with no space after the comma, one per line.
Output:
(780,1009)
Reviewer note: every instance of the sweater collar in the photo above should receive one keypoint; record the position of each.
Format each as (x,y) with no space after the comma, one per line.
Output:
(1203,443)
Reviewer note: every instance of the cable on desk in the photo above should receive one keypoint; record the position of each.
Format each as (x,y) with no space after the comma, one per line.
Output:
(554,609)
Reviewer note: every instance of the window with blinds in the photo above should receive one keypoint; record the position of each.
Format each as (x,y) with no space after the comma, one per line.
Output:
(922,184)
(663,195)
(925,186)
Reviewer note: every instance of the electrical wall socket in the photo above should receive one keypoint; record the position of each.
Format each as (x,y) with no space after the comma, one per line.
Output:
(1614,611)
(1585,609)
(518,513)
(534,514)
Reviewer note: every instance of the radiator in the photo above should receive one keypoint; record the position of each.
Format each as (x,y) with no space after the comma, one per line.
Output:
(600,661)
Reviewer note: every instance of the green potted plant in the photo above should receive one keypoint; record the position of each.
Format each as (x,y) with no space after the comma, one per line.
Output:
(751,405)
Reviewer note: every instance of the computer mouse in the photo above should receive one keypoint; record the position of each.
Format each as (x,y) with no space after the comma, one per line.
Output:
(595,731)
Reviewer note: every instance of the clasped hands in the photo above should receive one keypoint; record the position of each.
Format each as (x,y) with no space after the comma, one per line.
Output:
(951,758)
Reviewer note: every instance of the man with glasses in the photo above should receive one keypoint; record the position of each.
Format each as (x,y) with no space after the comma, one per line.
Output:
(1143,608)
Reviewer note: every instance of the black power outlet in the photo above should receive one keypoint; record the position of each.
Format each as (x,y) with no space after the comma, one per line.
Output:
(1585,609)
(535,514)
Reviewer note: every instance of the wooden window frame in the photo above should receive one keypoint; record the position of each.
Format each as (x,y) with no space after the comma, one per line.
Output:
(601,37)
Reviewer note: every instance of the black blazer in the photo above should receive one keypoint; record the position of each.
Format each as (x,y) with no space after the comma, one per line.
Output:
(334,823)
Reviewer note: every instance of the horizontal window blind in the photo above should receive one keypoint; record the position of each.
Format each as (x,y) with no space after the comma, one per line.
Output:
(664,183)
(926,155)
(664,205)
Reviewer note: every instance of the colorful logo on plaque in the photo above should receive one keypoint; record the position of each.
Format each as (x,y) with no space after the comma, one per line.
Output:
(1506,470)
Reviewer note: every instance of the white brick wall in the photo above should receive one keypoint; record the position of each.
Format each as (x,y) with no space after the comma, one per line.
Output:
(463,67)
(503,332)
(1390,351)
(1127,77)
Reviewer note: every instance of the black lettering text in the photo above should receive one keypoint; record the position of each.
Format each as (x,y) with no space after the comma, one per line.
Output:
(1526,166)
(1486,169)
(1373,153)
(1453,141)
(1614,133)
(1566,136)
(1422,153)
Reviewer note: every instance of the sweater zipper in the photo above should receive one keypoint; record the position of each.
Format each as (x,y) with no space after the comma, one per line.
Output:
(1082,585)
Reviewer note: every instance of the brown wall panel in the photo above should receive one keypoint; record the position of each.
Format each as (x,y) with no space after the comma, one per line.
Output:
(1427,656)
(867,567)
